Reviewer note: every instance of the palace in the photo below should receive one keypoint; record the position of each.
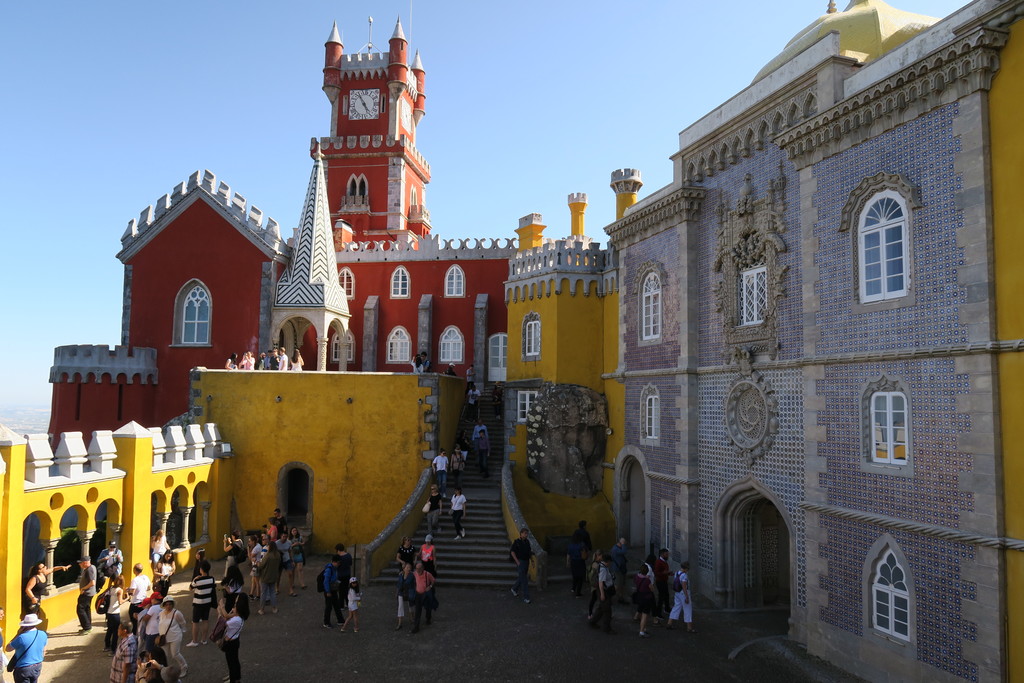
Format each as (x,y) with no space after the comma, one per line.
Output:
(796,365)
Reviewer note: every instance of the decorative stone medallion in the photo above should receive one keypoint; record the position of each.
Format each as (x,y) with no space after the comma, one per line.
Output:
(751,416)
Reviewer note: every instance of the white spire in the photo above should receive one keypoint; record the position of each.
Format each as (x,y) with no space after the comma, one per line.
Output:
(416,63)
(398,30)
(335,37)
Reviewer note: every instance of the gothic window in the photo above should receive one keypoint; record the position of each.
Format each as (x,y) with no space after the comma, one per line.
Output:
(882,247)
(753,295)
(399,344)
(336,349)
(452,346)
(193,314)
(356,186)
(400,283)
(651,307)
(414,197)
(524,401)
(890,598)
(650,413)
(350,348)
(531,336)
(455,282)
(348,282)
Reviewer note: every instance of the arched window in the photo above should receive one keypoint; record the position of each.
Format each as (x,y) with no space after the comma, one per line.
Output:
(651,307)
(650,412)
(348,282)
(399,344)
(400,283)
(753,295)
(356,186)
(882,247)
(890,597)
(452,346)
(531,336)
(350,343)
(454,282)
(193,314)
(336,349)
(414,197)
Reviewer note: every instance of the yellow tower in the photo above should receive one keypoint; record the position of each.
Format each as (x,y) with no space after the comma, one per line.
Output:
(626,183)
(577,208)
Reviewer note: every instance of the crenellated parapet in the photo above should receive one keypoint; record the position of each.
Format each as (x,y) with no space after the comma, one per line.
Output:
(233,205)
(72,462)
(431,248)
(540,271)
(348,143)
(93,362)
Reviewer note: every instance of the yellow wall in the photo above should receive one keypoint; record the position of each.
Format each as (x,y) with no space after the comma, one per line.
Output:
(1006,100)
(362,434)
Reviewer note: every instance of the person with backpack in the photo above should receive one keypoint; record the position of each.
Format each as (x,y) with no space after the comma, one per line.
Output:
(684,602)
(329,583)
(593,575)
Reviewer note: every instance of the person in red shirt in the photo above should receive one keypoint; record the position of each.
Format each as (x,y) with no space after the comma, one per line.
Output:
(661,572)
(424,595)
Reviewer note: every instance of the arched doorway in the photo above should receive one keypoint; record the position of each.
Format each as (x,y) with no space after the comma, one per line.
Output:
(631,497)
(295,494)
(752,549)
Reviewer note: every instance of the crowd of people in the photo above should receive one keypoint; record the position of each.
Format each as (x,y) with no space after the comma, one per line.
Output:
(271,359)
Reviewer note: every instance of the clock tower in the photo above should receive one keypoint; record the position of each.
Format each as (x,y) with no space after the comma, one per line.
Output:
(376,178)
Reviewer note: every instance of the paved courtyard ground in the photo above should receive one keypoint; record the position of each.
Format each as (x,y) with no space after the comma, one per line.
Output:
(477,635)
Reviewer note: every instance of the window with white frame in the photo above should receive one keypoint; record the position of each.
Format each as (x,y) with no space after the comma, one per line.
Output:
(348,282)
(194,314)
(451,346)
(889,427)
(524,401)
(890,598)
(650,412)
(399,344)
(651,307)
(882,247)
(356,186)
(350,347)
(455,282)
(531,336)
(336,349)
(753,295)
(400,283)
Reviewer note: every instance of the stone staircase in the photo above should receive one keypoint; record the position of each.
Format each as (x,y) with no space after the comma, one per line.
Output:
(480,560)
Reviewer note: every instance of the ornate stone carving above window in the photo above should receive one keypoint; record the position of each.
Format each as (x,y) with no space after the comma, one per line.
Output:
(749,237)
(751,411)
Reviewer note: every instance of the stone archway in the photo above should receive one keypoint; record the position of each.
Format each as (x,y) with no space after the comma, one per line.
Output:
(753,548)
(631,497)
(295,494)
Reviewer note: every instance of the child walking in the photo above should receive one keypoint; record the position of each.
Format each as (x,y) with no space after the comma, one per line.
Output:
(354,596)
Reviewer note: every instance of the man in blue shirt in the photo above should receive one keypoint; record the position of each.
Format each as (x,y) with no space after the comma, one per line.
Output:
(618,556)
(332,591)
(28,647)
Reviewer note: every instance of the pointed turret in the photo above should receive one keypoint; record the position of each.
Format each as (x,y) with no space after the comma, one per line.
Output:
(333,51)
(398,67)
(398,30)
(420,107)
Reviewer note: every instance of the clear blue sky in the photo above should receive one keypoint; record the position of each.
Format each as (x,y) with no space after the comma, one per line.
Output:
(107,106)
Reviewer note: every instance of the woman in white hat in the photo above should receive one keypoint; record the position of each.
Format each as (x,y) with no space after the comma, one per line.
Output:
(172,628)
(28,647)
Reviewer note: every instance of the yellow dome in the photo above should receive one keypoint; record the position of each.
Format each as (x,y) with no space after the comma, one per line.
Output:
(867,29)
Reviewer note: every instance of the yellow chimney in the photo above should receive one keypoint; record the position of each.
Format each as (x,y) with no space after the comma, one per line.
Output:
(577,207)
(626,183)
(531,231)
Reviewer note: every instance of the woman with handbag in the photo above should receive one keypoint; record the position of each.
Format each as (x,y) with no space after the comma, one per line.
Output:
(115,596)
(235,619)
(172,630)
(163,573)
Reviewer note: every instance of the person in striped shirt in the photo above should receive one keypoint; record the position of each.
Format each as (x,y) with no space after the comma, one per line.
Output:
(203,589)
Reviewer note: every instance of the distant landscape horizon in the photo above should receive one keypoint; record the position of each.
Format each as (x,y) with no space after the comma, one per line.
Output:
(26,418)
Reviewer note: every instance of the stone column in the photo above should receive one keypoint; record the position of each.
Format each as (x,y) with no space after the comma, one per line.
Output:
(204,535)
(321,353)
(51,546)
(163,517)
(85,537)
(186,512)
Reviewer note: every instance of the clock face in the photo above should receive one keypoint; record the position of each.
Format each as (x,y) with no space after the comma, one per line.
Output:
(363,104)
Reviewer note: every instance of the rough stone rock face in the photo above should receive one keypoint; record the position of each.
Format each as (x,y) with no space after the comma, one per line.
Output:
(565,443)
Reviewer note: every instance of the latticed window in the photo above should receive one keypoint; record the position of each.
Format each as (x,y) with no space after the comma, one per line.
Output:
(883,248)
(524,401)
(531,337)
(348,282)
(454,282)
(195,317)
(398,346)
(650,412)
(400,283)
(651,312)
(350,350)
(336,349)
(753,295)
(889,427)
(451,346)
(891,598)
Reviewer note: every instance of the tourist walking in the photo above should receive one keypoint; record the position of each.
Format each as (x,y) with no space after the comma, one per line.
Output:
(594,574)
(683,606)
(149,621)
(662,570)
(158,546)
(424,596)
(138,591)
(606,593)
(435,505)
(232,584)
(86,592)
(172,632)
(428,555)
(440,465)
(255,555)
(497,398)
(643,596)
(235,618)
(115,596)
(482,443)
(458,513)
(284,546)
(122,667)
(458,465)
(298,551)
(344,568)
(204,588)
(354,598)
(164,573)
(406,554)
(522,556)
(331,588)
(269,572)
(29,647)
(236,553)
(618,560)
(472,401)
(406,592)
(576,561)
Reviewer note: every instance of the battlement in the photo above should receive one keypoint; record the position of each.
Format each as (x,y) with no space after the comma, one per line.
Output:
(235,205)
(342,143)
(364,65)
(72,462)
(570,255)
(626,180)
(90,363)
(431,248)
